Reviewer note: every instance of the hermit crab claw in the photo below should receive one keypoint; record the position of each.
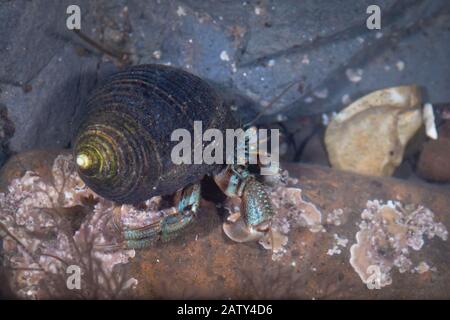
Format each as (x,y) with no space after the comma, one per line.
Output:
(248,204)
(239,231)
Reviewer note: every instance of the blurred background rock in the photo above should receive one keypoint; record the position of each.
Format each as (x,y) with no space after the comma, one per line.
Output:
(298,62)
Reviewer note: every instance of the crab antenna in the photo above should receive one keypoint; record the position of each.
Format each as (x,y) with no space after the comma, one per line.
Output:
(263,111)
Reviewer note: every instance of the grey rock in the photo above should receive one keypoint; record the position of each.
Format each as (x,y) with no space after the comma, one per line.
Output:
(6,132)
(43,79)
(252,51)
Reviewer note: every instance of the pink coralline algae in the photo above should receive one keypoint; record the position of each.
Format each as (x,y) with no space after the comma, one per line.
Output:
(387,234)
(292,212)
(49,224)
(335,217)
(291,207)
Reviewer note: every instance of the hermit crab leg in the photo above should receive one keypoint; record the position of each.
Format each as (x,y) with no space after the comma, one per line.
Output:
(187,208)
(169,224)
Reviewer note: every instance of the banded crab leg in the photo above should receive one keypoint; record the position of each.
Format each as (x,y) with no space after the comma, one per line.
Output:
(253,219)
(167,223)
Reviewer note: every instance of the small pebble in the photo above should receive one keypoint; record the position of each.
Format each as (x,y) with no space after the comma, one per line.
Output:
(305,59)
(233,67)
(346,99)
(224,56)
(400,65)
(180,11)
(308,100)
(321,93)
(157,54)
(354,75)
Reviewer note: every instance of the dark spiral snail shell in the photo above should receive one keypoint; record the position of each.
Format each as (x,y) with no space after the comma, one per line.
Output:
(123,146)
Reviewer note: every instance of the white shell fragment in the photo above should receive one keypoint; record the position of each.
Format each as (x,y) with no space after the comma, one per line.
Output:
(181,11)
(430,125)
(354,75)
(224,56)
(400,65)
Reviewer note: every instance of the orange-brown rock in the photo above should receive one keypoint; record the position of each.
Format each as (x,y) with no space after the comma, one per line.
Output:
(204,263)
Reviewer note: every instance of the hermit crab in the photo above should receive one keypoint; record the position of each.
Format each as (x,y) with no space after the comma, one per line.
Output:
(123,152)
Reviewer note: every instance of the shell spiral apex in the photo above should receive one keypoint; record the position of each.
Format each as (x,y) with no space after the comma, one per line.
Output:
(123,146)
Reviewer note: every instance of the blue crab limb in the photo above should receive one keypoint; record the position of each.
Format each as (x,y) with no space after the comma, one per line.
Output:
(187,208)
(253,220)
(257,205)
(169,223)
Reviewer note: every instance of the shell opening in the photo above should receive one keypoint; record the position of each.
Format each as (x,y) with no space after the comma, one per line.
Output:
(88,161)
(83,161)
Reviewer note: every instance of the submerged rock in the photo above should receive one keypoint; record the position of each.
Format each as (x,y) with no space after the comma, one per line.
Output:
(203,263)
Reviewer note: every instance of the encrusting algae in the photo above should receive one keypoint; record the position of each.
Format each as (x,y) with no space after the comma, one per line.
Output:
(48,226)
(387,234)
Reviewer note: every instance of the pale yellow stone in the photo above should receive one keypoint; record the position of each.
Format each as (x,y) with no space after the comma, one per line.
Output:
(370,135)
